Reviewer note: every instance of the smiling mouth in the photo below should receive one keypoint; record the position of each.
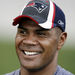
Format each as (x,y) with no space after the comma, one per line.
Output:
(30,53)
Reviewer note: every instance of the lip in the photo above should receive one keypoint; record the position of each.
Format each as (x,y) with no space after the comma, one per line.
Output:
(31,50)
(31,56)
(30,53)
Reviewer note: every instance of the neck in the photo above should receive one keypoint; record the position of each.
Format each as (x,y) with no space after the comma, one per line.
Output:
(49,70)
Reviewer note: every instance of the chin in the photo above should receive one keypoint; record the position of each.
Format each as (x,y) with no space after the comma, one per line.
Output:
(35,67)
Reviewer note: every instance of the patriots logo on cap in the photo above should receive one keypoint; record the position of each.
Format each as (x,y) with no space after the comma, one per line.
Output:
(40,7)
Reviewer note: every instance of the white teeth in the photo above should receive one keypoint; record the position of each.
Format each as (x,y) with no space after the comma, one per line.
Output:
(30,53)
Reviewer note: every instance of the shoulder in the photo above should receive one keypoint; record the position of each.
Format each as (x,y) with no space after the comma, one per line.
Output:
(62,71)
(16,72)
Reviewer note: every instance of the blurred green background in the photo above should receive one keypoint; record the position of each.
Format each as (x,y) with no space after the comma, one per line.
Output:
(9,60)
(12,8)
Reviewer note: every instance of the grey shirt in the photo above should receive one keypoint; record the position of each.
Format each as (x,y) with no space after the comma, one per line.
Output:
(59,71)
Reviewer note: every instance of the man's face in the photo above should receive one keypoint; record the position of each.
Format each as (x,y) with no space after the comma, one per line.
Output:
(35,46)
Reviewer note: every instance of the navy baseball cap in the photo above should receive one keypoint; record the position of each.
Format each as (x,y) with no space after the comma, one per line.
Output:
(44,12)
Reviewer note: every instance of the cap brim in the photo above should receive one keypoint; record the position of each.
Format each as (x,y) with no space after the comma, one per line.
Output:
(19,18)
(36,19)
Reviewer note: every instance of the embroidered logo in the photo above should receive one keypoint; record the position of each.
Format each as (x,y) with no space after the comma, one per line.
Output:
(40,7)
(60,22)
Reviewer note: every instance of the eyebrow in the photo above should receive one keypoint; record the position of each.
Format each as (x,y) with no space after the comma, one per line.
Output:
(42,29)
(21,27)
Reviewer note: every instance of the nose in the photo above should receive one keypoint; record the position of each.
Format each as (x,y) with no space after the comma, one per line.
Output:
(30,40)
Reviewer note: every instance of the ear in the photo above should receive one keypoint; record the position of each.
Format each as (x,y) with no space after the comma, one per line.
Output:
(61,40)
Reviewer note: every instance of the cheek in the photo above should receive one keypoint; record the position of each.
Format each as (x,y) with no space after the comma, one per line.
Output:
(18,40)
(49,45)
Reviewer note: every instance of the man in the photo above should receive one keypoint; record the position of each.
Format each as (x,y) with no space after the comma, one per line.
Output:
(40,36)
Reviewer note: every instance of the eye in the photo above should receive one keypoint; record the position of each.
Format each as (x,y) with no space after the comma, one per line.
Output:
(22,32)
(41,34)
